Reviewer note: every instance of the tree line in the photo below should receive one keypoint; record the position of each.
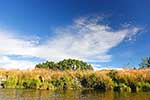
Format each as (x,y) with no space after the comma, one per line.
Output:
(73,64)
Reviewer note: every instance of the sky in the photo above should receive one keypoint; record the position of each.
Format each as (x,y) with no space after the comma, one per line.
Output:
(104,33)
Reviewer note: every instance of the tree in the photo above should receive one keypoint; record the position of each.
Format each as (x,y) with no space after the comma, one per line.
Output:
(66,64)
(145,62)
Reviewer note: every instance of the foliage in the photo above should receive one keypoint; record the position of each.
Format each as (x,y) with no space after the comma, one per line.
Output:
(66,64)
(122,87)
(117,80)
(145,62)
(11,82)
(144,86)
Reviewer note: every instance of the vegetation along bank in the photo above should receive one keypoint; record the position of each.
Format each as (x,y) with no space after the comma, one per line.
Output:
(75,74)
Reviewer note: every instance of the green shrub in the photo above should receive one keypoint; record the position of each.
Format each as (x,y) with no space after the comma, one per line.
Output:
(11,82)
(35,83)
(32,83)
(122,87)
(144,86)
(62,83)
(97,81)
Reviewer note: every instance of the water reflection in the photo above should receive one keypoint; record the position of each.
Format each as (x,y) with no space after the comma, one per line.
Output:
(27,94)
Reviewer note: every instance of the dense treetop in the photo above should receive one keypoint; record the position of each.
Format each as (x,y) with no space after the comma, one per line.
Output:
(66,64)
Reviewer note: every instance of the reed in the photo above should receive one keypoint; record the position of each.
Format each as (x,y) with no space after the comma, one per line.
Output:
(117,80)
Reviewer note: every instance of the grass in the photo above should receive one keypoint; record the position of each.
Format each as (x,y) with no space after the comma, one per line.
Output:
(118,80)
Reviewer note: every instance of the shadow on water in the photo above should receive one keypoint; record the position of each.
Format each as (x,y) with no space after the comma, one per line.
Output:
(27,94)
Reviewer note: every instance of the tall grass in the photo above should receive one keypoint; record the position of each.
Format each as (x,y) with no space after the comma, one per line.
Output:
(122,80)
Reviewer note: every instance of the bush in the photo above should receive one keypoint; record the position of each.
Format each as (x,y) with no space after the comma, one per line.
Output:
(32,83)
(144,86)
(97,81)
(62,83)
(11,82)
(122,87)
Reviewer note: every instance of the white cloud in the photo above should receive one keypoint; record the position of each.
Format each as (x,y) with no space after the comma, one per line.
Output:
(8,63)
(86,39)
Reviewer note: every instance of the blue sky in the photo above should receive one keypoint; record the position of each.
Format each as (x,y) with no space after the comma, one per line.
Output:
(105,33)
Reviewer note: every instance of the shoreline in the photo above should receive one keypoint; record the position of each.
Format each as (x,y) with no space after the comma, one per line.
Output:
(126,80)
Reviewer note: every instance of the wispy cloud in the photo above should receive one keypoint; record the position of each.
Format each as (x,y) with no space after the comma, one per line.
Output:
(86,39)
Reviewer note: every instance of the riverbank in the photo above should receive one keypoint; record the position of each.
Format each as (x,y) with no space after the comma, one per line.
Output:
(117,80)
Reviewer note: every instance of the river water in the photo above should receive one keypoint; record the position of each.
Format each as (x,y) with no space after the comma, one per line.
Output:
(27,94)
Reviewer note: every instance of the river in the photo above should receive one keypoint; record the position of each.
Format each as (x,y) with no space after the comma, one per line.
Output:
(28,94)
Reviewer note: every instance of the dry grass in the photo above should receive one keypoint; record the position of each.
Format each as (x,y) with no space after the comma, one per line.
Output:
(94,79)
